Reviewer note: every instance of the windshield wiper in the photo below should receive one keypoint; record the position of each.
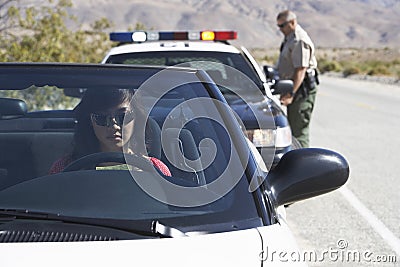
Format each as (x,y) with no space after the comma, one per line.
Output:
(141,227)
(24,213)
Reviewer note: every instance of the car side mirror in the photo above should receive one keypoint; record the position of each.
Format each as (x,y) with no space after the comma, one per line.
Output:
(270,73)
(306,173)
(283,87)
(11,108)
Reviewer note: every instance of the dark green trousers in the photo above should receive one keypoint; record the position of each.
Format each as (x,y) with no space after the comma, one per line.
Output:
(299,116)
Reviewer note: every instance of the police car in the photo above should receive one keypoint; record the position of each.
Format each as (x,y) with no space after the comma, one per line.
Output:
(235,71)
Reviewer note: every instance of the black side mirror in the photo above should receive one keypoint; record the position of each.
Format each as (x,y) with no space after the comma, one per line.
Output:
(283,87)
(278,87)
(11,108)
(305,173)
(270,73)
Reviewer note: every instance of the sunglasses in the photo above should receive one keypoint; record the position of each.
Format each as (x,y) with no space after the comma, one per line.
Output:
(283,24)
(109,120)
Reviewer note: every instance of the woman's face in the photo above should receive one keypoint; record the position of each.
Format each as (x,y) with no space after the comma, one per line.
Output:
(108,126)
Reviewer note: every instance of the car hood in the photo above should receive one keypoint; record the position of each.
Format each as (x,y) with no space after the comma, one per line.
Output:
(236,248)
(254,113)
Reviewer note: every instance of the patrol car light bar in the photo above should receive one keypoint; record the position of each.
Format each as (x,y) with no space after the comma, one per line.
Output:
(141,36)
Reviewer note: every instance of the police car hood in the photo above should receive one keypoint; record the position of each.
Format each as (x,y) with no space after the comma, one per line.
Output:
(236,248)
(254,111)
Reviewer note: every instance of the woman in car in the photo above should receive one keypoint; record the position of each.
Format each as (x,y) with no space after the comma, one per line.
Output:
(100,116)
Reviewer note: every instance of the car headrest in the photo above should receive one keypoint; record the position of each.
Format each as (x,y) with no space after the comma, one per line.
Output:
(153,138)
(10,108)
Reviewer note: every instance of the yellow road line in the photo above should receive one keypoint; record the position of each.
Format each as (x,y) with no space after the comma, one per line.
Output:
(365,106)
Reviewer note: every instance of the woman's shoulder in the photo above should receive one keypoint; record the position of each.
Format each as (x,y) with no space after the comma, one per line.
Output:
(60,164)
(161,166)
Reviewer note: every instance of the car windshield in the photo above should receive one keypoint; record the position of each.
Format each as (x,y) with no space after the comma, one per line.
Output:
(218,65)
(199,171)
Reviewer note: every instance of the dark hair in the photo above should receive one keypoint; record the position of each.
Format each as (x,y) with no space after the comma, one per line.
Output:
(98,100)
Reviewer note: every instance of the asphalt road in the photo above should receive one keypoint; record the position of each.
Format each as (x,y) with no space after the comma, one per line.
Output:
(358,225)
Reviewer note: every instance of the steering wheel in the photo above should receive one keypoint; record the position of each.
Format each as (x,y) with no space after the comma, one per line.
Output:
(92,160)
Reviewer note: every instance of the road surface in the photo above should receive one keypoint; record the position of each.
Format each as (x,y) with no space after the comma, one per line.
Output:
(359,225)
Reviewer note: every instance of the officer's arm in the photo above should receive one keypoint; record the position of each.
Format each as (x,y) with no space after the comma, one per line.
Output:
(298,78)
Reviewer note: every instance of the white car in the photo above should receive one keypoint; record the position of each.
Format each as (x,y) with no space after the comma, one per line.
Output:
(235,71)
(216,206)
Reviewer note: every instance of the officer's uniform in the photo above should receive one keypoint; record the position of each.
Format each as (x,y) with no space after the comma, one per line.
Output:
(297,50)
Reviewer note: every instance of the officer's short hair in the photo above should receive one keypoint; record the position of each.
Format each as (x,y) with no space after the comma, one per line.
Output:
(287,15)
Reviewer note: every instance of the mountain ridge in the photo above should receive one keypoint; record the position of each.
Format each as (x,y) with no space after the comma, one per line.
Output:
(340,23)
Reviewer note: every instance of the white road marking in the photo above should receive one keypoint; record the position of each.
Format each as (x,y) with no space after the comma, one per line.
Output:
(376,224)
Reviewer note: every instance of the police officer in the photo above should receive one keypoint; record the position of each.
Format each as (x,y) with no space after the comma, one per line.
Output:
(297,62)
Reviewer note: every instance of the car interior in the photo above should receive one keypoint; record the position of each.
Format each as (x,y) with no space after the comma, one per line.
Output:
(31,141)
(22,135)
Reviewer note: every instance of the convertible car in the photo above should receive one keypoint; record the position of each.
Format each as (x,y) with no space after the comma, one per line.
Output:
(216,204)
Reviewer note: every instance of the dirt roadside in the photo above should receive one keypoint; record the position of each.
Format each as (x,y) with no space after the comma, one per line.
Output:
(391,56)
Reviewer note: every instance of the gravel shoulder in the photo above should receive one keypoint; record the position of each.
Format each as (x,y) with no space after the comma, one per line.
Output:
(368,78)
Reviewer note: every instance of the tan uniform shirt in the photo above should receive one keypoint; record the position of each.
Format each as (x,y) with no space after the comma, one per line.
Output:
(297,51)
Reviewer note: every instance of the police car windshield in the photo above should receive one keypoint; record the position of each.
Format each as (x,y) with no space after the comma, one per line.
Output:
(216,64)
